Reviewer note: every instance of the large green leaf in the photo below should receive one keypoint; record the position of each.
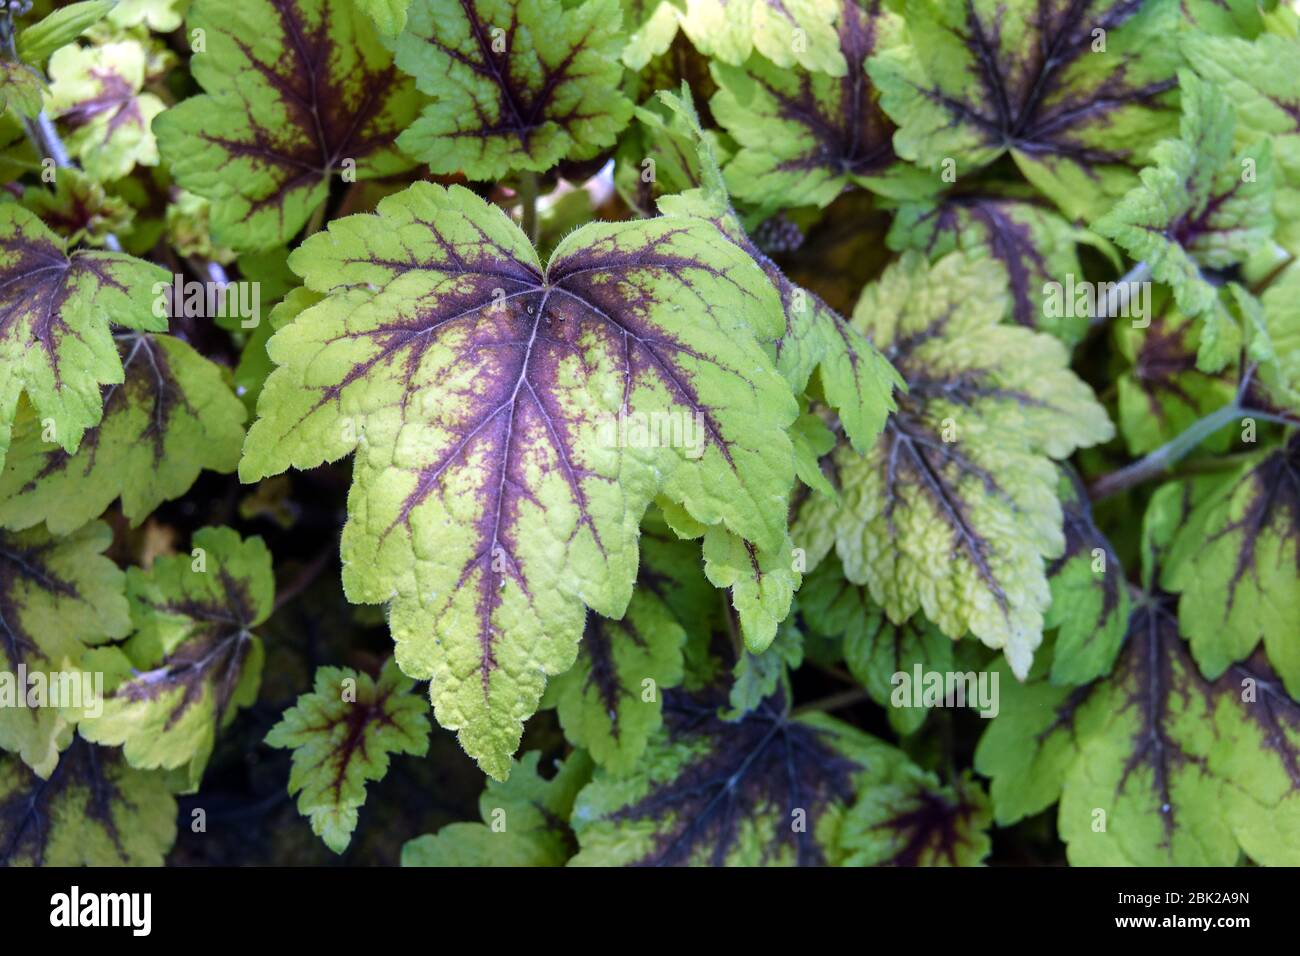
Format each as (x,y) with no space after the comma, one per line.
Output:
(55,312)
(494,493)
(94,810)
(56,596)
(517,84)
(953,509)
(173,416)
(341,734)
(193,659)
(1077,92)
(296,92)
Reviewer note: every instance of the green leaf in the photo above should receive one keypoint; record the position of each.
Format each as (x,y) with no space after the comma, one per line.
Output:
(161,16)
(953,509)
(389,15)
(341,735)
(1090,599)
(1259,80)
(97,94)
(874,648)
(805,138)
(855,379)
(522,821)
(756,676)
(1278,375)
(974,83)
(763,790)
(1033,243)
(491,501)
(1153,765)
(79,209)
(59,28)
(610,701)
(762,583)
(788,33)
(517,84)
(1198,207)
(812,440)
(1163,393)
(1236,564)
(916,821)
(173,416)
(56,596)
(193,659)
(21,90)
(94,810)
(55,312)
(651,26)
(296,92)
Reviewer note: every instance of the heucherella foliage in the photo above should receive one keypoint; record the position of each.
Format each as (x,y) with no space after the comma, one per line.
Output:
(55,308)
(516,84)
(341,735)
(649,432)
(953,510)
(494,493)
(297,92)
(193,658)
(1154,763)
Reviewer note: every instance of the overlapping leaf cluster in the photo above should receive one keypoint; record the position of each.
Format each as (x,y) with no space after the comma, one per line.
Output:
(685,383)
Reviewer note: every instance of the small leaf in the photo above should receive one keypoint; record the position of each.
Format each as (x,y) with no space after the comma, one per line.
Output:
(523,821)
(341,736)
(59,28)
(954,508)
(806,137)
(173,416)
(756,676)
(1196,208)
(389,15)
(763,790)
(193,659)
(55,312)
(787,33)
(97,94)
(762,583)
(294,90)
(916,821)
(517,84)
(56,596)
(94,810)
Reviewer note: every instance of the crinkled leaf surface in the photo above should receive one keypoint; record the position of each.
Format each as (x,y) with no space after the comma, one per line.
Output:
(1258,77)
(193,659)
(524,821)
(96,93)
(490,500)
(855,379)
(56,596)
(173,416)
(517,84)
(79,209)
(874,648)
(762,583)
(980,78)
(342,733)
(805,137)
(1090,599)
(916,821)
(953,509)
(762,790)
(55,311)
(294,89)
(1236,565)
(611,700)
(787,32)
(1198,207)
(94,810)
(1033,243)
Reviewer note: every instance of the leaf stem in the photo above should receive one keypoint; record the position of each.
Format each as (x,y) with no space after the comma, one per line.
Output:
(528,189)
(1117,301)
(836,701)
